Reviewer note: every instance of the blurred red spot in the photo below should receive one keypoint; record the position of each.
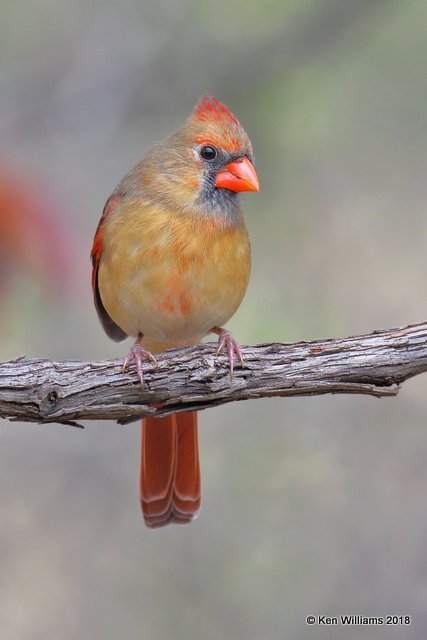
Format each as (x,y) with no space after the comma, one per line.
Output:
(32,237)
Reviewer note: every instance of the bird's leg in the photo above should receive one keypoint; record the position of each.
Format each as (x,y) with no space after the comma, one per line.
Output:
(225,339)
(138,353)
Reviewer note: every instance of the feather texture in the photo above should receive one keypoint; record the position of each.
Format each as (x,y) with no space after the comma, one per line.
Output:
(171,261)
(170,471)
(171,277)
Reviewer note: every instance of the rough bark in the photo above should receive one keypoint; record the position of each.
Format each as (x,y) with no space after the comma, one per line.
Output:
(43,391)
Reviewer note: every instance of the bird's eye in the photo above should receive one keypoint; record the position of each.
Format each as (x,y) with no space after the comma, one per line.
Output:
(208,153)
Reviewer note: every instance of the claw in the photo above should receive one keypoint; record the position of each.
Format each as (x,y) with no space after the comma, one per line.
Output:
(137,353)
(227,340)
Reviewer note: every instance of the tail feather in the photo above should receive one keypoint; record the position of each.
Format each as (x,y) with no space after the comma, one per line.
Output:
(158,454)
(170,472)
(186,496)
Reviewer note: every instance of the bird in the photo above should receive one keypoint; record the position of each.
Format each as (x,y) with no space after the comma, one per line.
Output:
(170,264)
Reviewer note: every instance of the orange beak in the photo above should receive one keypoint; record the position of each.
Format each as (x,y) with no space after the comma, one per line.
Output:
(238,176)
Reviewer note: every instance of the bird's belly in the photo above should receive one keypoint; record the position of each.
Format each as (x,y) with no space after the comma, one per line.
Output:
(181,314)
(177,298)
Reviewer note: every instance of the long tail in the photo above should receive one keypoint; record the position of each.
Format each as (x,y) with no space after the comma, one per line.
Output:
(170,471)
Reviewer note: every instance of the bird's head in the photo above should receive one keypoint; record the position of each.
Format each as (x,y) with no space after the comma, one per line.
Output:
(205,164)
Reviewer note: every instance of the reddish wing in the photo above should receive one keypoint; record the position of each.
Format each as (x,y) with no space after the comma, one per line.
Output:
(110,327)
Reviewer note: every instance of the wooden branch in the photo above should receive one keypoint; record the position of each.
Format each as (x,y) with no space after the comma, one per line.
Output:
(194,378)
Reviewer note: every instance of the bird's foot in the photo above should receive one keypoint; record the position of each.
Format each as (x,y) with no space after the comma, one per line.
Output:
(137,354)
(226,339)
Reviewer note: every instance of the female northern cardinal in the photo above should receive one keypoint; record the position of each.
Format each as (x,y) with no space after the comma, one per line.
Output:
(171,263)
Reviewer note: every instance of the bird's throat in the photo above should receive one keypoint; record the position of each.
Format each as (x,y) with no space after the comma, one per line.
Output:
(221,204)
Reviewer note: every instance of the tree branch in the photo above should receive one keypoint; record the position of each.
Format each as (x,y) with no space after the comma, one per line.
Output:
(43,391)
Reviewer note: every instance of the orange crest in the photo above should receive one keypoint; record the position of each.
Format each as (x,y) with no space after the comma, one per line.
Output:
(209,108)
(216,124)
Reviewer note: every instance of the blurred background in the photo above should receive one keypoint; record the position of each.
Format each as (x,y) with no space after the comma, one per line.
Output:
(312,505)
